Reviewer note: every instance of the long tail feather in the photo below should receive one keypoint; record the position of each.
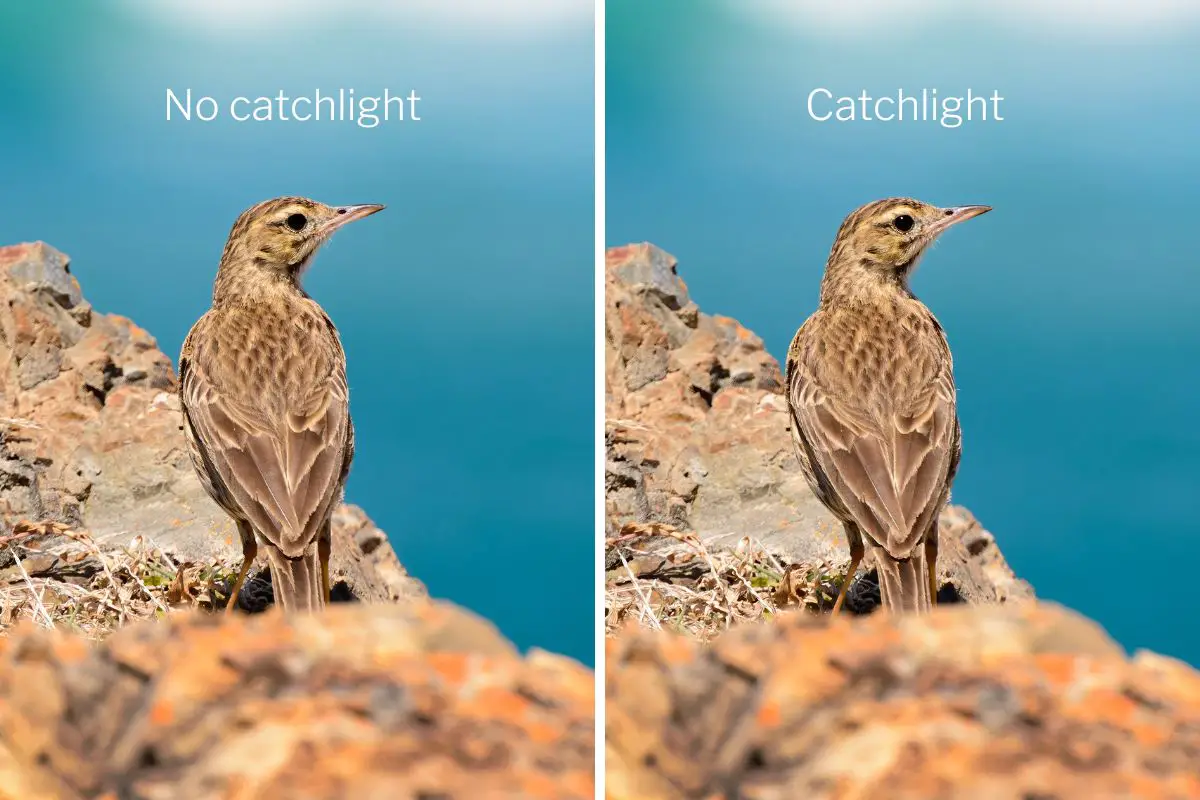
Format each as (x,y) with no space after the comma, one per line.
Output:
(297,582)
(904,585)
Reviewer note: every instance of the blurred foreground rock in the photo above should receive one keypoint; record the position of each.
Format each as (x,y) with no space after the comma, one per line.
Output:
(1019,701)
(366,702)
(697,436)
(91,436)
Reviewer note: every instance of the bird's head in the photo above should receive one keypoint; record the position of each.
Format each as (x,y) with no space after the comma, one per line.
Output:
(279,237)
(888,237)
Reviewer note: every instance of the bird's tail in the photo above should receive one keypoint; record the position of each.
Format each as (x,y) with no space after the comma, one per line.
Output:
(297,582)
(904,584)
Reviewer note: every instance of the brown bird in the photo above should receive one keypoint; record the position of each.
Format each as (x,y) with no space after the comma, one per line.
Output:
(871,392)
(265,404)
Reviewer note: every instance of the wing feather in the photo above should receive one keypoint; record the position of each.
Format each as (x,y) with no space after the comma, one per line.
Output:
(280,464)
(887,459)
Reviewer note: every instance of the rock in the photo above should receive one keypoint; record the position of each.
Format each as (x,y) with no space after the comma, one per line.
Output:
(39,268)
(999,698)
(1015,701)
(395,697)
(91,436)
(419,700)
(697,436)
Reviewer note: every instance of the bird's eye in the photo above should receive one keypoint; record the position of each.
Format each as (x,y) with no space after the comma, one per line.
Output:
(903,223)
(296,222)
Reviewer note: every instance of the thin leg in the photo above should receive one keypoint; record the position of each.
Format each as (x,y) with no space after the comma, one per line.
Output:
(931,551)
(856,555)
(324,545)
(249,551)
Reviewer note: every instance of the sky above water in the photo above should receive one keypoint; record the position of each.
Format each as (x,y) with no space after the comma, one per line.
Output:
(460,306)
(1071,308)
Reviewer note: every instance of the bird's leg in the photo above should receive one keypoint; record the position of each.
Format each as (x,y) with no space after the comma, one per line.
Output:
(324,544)
(249,551)
(931,551)
(856,555)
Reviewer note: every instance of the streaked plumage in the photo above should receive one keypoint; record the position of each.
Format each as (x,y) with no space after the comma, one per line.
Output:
(871,390)
(265,401)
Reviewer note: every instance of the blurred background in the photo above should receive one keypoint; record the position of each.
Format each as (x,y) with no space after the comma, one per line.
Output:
(1071,308)
(464,308)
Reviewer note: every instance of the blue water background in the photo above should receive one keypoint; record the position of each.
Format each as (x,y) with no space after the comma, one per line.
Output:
(465,308)
(1071,309)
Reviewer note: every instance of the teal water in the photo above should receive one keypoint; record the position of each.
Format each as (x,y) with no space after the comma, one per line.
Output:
(465,307)
(1071,308)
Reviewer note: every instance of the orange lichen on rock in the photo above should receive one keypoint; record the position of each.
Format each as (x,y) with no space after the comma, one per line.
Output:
(989,701)
(359,701)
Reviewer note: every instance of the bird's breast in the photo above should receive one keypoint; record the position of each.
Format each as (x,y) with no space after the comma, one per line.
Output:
(273,352)
(882,357)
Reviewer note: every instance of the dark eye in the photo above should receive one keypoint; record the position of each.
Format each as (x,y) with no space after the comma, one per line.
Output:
(903,222)
(297,222)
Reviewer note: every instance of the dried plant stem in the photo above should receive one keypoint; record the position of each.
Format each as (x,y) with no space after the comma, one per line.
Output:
(33,592)
(647,611)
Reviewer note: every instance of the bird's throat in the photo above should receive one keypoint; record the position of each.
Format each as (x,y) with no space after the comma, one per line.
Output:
(860,283)
(240,281)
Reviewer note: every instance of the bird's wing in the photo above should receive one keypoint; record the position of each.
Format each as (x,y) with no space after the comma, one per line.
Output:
(887,471)
(283,469)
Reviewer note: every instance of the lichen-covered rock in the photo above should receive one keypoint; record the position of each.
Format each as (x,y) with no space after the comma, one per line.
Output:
(1018,701)
(413,701)
(697,435)
(91,436)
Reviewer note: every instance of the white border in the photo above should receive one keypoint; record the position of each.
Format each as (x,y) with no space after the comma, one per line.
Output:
(598,550)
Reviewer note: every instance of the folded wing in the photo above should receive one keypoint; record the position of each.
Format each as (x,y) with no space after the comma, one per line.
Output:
(280,463)
(887,462)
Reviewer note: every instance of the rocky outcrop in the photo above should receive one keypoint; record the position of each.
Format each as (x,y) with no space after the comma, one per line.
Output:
(1016,701)
(697,437)
(375,699)
(91,437)
(1000,698)
(411,701)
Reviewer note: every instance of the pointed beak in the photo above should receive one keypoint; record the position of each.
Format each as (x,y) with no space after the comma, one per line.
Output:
(953,216)
(347,214)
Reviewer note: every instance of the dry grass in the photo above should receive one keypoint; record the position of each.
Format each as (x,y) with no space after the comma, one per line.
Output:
(60,578)
(691,590)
